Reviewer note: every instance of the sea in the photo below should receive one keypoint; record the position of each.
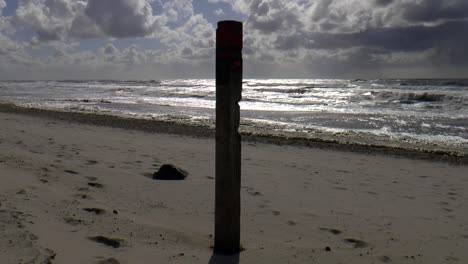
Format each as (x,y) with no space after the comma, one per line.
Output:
(419,114)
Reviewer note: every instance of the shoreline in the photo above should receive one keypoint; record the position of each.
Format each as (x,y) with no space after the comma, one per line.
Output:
(174,128)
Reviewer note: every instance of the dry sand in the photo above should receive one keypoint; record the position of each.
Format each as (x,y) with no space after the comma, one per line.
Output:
(78,193)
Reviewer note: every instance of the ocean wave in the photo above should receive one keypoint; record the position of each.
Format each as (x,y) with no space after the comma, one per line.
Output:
(286,91)
(339,103)
(417,97)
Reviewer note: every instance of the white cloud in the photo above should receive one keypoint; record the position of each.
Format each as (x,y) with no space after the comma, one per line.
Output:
(49,19)
(53,20)
(7,46)
(110,49)
(218,12)
(2,5)
(177,10)
(124,18)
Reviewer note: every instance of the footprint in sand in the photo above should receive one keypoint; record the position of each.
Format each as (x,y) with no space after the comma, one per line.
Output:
(96,185)
(72,221)
(252,191)
(44,175)
(111,242)
(91,162)
(82,196)
(340,188)
(97,211)
(83,189)
(385,259)
(356,243)
(109,261)
(343,171)
(331,230)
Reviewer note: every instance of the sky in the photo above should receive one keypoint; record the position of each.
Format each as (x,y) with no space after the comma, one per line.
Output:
(160,39)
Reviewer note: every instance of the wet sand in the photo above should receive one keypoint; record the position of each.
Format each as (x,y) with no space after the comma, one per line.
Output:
(74,191)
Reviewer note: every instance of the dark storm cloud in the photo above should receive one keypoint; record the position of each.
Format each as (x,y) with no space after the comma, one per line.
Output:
(435,10)
(414,38)
(383,2)
(448,39)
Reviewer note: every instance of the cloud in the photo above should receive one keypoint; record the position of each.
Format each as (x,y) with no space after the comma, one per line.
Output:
(177,10)
(434,11)
(123,18)
(58,20)
(218,12)
(2,5)
(49,19)
(4,22)
(322,37)
(110,49)
(383,2)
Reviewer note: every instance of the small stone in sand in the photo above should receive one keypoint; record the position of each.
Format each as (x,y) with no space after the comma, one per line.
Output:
(170,172)
(327,249)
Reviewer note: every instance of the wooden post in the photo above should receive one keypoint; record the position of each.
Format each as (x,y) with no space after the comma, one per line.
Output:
(228,141)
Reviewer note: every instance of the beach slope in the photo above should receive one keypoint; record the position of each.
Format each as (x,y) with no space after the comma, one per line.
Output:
(80,193)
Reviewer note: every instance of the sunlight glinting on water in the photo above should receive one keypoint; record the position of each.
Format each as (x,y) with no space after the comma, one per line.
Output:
(428,110)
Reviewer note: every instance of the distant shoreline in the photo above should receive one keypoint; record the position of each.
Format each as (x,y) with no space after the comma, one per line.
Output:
(168,127)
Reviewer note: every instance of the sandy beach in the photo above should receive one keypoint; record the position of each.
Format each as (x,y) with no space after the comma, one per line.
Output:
(76,192)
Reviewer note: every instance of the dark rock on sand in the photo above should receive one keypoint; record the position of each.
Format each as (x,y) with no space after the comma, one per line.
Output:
(170,172)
